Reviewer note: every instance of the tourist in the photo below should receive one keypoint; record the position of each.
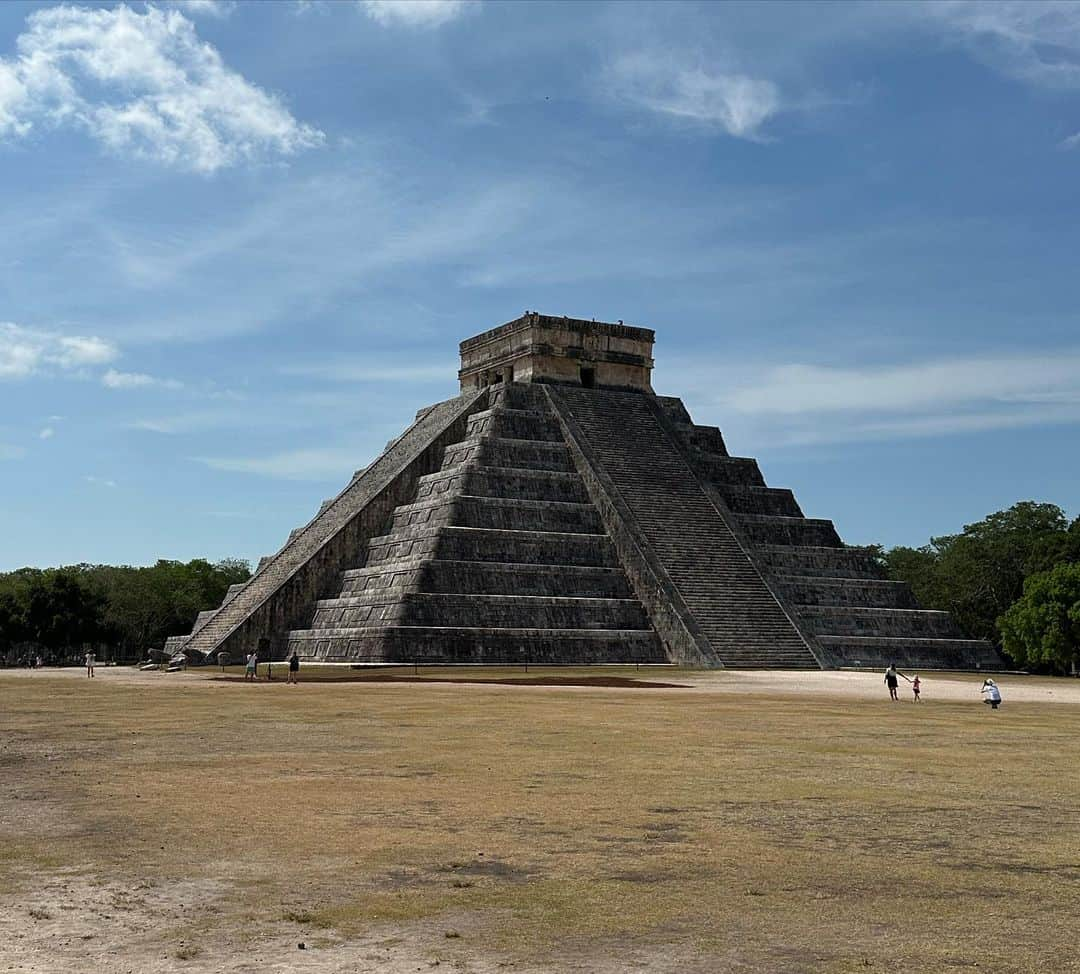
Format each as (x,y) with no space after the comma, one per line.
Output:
(294,668)
(90,663)
(916,683)
(991,693)
(251,671)
(892,681)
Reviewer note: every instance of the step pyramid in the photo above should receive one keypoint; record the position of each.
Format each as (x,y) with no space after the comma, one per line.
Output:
(559,512)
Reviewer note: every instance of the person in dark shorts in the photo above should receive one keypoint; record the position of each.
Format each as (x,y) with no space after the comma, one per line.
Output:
(294,668)
(892,681)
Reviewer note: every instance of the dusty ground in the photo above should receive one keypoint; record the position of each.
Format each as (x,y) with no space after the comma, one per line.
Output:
(735,822)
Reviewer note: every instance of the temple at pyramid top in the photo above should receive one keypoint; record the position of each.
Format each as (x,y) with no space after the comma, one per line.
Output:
(560,350)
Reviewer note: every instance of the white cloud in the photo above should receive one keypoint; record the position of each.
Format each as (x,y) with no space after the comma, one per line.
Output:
(114,379)
(918,387)
(1036,41)
(373,372)
(209,8)
(142,83)
(734,103)
(317,463)
(413,13)
(799,405)
(47,433)
(25,351)
(99,481)
(917,427)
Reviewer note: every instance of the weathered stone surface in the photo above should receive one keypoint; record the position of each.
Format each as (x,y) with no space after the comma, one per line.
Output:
(742,621)
(280,595)
(544,348)
(571,516)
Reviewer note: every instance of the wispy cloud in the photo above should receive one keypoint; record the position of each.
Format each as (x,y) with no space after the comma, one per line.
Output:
(1036,41)
(715,100)
(208,8)
(373,372)
(810,404)
(414,13)
(47,433)
(26,351)
(917,387)
(114,379)
(141,83)
(99,481)
(316,463)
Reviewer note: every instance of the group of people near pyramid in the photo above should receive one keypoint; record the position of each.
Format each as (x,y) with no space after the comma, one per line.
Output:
(990,690)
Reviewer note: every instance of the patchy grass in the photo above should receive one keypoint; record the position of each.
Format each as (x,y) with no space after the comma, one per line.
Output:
(519,822)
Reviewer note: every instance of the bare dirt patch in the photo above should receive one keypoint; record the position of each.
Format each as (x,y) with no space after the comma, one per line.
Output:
(777,822)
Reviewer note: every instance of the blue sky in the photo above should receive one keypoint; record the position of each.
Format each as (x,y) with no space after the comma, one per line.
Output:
(241,242)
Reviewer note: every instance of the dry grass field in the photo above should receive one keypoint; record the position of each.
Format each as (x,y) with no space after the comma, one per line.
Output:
(778,823)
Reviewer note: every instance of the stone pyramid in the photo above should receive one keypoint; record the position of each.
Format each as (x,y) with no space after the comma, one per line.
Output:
(558,511)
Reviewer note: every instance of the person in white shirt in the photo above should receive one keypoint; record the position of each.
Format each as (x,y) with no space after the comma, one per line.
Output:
(90,660)
(991,693)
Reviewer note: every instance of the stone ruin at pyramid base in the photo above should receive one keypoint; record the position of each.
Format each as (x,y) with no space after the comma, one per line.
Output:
(559,512)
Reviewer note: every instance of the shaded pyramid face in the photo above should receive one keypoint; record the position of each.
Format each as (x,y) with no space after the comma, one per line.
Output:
(551,522)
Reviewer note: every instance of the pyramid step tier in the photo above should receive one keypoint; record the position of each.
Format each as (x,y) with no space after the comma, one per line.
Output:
(498,512)
(800,532)
(500,451)
(476,611)
(514,424)
(463,645)
(472,577)
(484,544)
(727,470)
(863,621)
(745,499)
(910,653)
(823,562)
(869,592)
(517,482)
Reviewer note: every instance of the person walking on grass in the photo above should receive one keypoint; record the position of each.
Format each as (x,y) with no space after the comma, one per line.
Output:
(294,668)
(916,684)
(892,681)
(251,671)
(90,660)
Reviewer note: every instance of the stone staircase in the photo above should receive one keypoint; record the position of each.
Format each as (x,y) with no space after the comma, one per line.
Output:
(474,539)
(723,589)
(260,604)
(839,596)
(499,558)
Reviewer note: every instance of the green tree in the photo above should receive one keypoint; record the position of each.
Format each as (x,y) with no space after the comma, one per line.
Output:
(148,604)
(120,609)
(919,568)
(977,574)
(1055,549)
(1042,628)
(63,614)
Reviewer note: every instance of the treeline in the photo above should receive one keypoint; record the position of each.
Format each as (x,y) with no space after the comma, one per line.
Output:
(117,610)
(1012,578)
